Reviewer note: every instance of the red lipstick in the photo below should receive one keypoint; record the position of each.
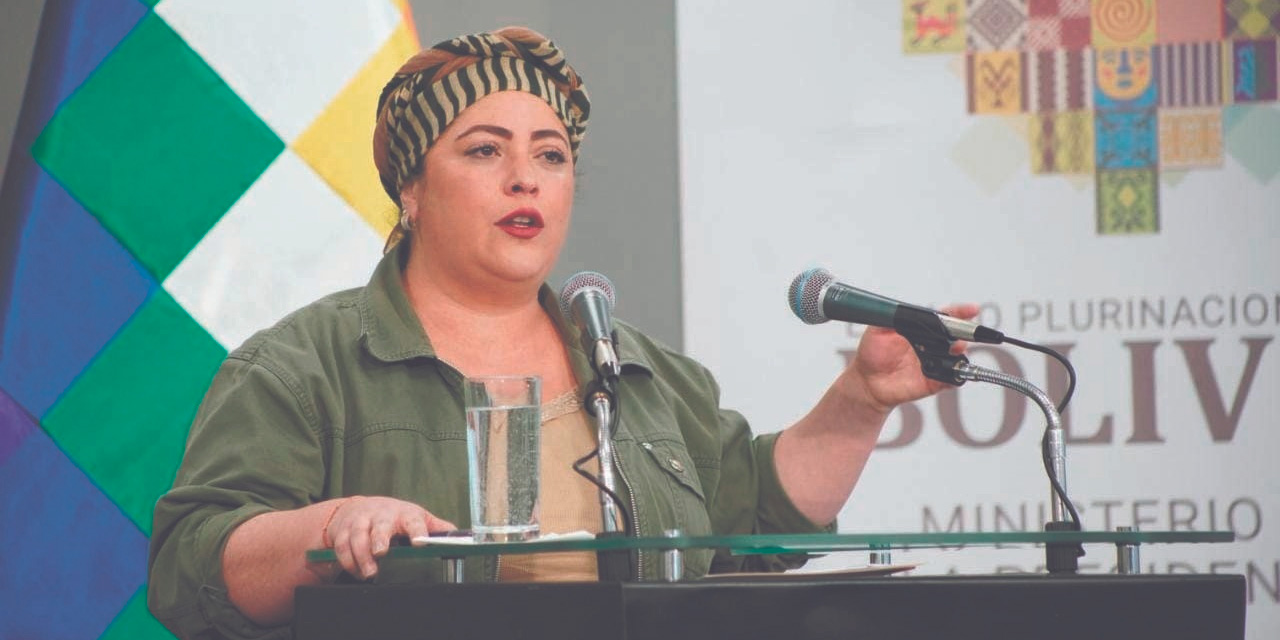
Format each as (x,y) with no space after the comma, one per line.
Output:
(523,223)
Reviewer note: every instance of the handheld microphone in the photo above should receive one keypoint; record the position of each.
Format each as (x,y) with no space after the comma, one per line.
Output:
(587,299)
(815,297)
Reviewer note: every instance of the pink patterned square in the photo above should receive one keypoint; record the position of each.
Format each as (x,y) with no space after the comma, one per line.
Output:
(1044,34)
(1188,21)
(1076,33)
(1042,8)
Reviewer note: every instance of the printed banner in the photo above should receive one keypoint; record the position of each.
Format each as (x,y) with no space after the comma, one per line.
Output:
(1130,218)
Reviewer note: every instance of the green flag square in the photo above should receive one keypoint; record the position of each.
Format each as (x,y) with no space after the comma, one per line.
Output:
(156,145)
(125,420)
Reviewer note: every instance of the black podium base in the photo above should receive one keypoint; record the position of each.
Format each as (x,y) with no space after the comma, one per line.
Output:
(1109,607)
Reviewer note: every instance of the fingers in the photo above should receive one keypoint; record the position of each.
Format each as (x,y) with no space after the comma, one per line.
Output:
(964,311)
(362,530)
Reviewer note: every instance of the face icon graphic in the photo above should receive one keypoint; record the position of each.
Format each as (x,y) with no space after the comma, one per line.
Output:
(1124,73)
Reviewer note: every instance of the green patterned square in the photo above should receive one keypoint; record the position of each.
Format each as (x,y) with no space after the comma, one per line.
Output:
(1128,201)
(156,145)
(125,419)
(134,622)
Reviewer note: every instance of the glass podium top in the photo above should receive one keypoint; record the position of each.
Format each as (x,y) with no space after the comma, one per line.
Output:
(791,543)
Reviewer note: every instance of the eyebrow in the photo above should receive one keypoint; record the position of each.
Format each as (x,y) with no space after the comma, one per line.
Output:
(506,134)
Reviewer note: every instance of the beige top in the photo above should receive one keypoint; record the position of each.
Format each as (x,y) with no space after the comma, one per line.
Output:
(567,501)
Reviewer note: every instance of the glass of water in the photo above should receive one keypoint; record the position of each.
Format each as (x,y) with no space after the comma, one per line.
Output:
(504,418)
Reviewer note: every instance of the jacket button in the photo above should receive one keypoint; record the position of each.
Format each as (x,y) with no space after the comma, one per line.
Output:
(675,464)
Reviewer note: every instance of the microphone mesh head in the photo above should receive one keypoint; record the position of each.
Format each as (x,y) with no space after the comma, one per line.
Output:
(580,281)
(805,293)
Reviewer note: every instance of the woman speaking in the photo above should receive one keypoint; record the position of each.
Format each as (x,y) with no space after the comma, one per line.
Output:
(342,426)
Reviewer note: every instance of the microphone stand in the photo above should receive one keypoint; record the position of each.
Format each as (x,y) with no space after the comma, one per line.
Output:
(600,402)
(932,345)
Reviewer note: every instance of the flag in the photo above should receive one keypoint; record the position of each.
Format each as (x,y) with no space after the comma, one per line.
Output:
(183,174)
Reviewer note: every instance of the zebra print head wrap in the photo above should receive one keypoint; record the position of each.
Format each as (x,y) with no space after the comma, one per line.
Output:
(435,85)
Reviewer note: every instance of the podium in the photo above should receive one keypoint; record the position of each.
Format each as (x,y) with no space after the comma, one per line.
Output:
(986,607)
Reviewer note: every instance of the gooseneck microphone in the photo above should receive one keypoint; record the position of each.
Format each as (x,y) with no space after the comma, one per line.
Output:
(816,297)
(587,300)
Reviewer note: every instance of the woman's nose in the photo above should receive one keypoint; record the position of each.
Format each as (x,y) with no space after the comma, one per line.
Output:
(522,181)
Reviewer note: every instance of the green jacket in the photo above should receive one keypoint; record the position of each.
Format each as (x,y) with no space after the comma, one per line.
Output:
(347,397)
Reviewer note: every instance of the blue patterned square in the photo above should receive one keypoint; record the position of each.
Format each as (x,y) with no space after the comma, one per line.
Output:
(73,287)
(1126,139)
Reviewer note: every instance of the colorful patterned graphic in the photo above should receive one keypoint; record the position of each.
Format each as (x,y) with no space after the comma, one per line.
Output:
(1244,19)
(996,24)
(183,174)
(1127,201)
(1121,89)
(1188,21)
(1123,22)
(1124,76)
(1125,139)
(1062,142)
(997,83)
(1189,74)
(1060,80)
(1190,138)
(933,26)
(1057,24)
(1253,71)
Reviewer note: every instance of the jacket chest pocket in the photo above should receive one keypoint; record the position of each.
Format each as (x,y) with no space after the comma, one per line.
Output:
(669,495)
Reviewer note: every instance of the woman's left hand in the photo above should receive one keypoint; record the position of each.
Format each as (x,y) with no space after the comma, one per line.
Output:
(886,369)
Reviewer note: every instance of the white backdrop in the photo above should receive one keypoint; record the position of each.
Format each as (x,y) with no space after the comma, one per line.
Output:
(809,139)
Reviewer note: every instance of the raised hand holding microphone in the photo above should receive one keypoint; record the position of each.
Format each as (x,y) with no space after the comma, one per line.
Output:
(820,457)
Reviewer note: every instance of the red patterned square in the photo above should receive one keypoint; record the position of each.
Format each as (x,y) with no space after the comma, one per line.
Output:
(1077,33)
(1188,21)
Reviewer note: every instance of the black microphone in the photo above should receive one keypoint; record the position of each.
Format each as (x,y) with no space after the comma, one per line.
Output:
(587,299)
(815,297)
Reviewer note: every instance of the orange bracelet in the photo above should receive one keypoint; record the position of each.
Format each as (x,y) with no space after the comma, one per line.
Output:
(328,520)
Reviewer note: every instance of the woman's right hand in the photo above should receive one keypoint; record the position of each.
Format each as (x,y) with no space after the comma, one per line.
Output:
(360,530)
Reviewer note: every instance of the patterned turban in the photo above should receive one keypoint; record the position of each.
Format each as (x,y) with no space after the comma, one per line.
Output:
(435,85)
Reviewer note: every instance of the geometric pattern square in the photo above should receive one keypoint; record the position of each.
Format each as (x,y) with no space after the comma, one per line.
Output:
(71,560)
(1128,201)
(46,339)
(155,145)
(1251,19)
(1126,139)
(1062,142)
(333,143)
(1253,139)
(995,25)
(1253,70)
(1188,21)
(254,46)
(932,26)
(1190,138)
(1189,74)
(1058,24)
(1118,23)
(1125,78)
(125,420)
(996,82)
(1060,80)
(268,257)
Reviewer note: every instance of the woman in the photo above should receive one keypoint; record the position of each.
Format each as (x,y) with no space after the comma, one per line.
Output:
(342,426)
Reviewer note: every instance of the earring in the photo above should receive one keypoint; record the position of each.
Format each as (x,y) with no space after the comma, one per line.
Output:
(406,222)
